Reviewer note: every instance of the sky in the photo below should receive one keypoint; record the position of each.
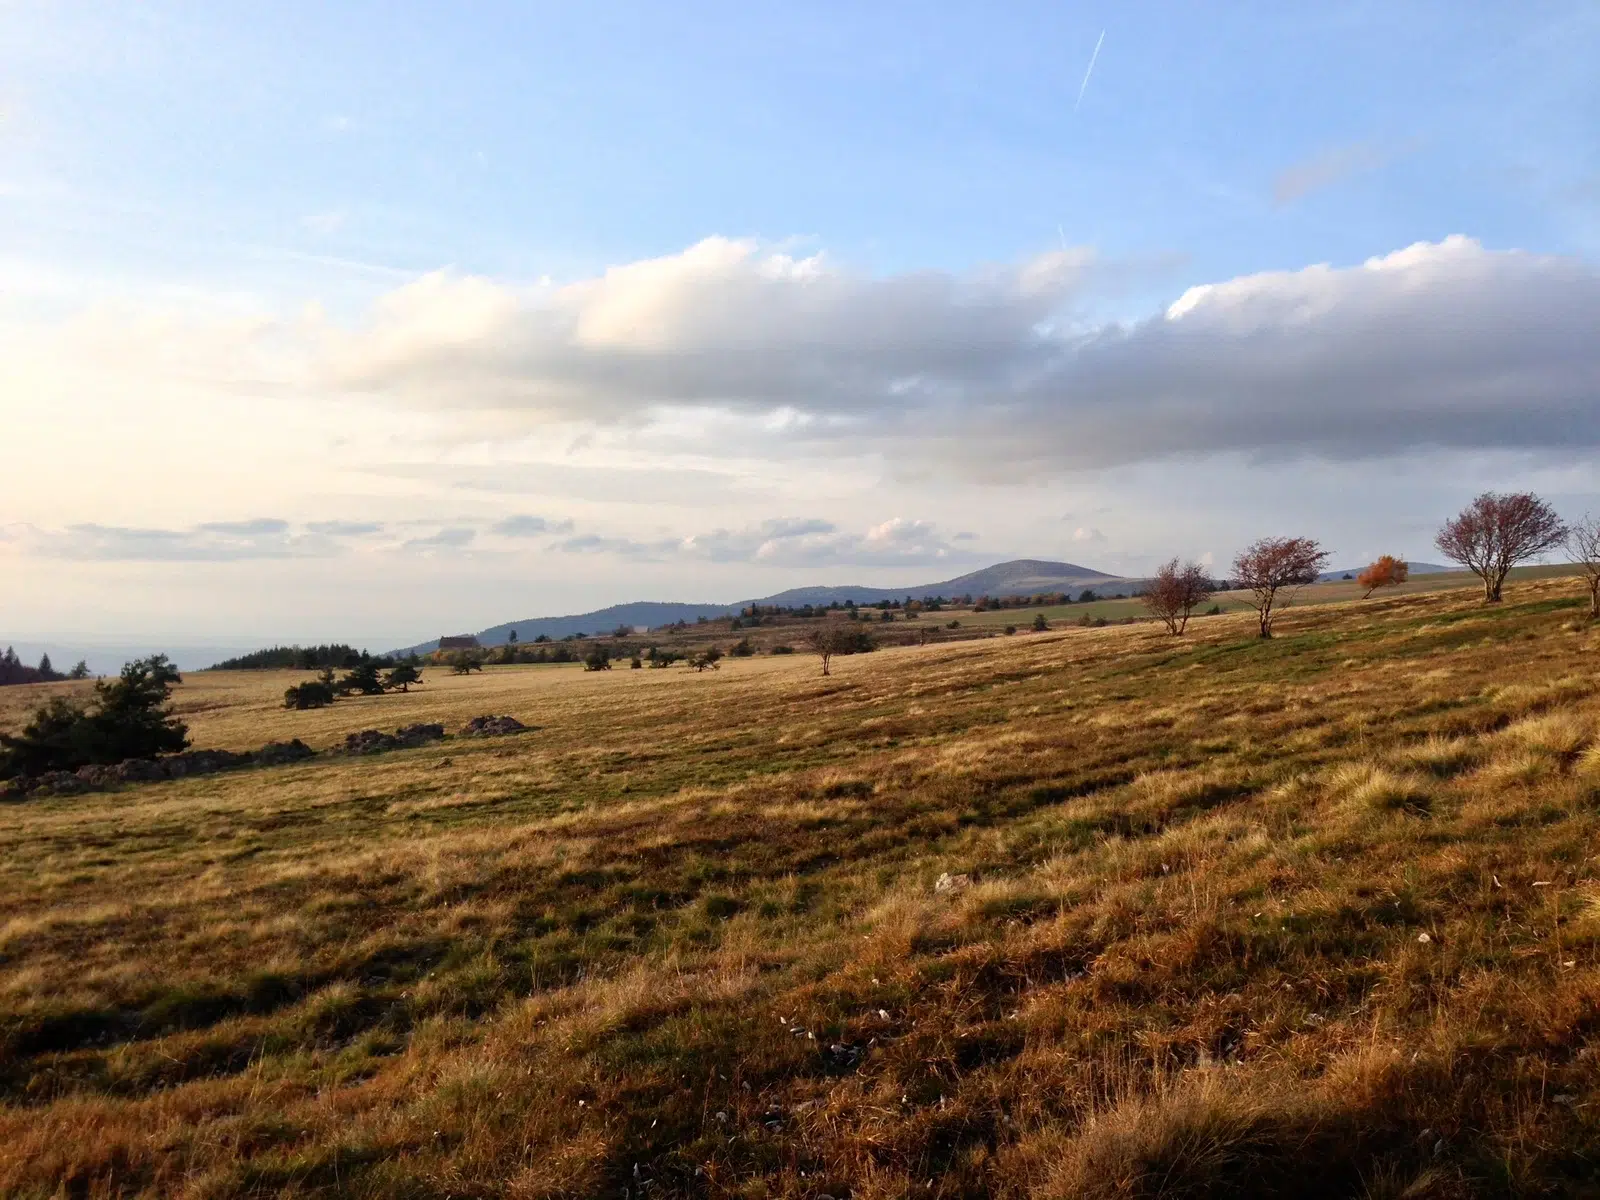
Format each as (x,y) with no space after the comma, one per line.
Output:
(376,322)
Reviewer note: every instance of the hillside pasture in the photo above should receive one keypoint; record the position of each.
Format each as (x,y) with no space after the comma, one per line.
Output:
(1094,912)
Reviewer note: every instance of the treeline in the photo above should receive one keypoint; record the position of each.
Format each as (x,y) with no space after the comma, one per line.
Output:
(13,670)
(298,658)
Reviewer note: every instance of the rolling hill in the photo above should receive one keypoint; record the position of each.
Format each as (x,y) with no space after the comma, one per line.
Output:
(1022,576)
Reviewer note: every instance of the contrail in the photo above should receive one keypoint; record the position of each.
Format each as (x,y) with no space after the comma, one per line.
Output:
(1084,86)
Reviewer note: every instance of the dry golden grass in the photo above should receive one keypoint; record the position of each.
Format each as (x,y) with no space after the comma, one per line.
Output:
(1316,916)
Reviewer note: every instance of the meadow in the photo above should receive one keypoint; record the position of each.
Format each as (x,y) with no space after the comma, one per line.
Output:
(1092,912)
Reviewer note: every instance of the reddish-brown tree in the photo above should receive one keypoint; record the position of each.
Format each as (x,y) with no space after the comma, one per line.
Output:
(1388,571)
(1496,532)
(1175,592)
(1274,569)
(1583,545)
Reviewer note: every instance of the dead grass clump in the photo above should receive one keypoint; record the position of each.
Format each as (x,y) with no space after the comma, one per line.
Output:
(1518,768)
(1221,1133)
(1562,734)
(1442,757)
(1374,788)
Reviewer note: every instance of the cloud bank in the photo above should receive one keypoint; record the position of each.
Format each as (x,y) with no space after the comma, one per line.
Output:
(782,542)
(1443,344)
(990,374)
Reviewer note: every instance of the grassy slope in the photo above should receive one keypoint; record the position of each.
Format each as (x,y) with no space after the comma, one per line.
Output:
(686,934)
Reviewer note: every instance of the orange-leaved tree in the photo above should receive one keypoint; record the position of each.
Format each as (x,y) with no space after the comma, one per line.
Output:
(1388,571)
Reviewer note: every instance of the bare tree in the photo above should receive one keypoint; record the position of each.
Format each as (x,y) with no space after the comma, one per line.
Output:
(838,637)
(1583,545)
(1175,592)
(1496,532)
(1388,571)
(1277,565)
(827,640)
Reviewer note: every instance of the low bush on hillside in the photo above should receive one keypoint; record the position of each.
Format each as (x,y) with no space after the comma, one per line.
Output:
(311,694)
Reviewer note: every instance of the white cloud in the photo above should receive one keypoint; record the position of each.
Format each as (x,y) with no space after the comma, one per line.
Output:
(216,541)
(987,375)
(1332,166)
(1436,345)
(787,542)
(1087,534)
(721,325)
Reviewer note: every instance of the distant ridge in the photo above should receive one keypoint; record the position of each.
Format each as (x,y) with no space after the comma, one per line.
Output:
(1020,577)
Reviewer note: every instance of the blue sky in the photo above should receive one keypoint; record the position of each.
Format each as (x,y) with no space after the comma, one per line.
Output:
(220,224)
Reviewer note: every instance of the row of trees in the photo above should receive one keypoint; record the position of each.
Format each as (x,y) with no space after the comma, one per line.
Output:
(1489,537)
(14,670)
(363,679)
(300,658)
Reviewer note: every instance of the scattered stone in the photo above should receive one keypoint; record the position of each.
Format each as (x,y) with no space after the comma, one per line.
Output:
(276,753)
(58,783)
(1424,938)
(373,741)
(492,726)
(370,741)
(842,1056)
(418,735)
(948,883)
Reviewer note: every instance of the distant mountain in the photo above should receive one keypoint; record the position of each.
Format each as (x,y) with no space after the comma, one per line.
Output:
(1020,577)
(1023,576)
(648,613)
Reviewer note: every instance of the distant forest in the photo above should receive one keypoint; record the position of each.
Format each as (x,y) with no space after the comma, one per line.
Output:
(12,670)
(302,658)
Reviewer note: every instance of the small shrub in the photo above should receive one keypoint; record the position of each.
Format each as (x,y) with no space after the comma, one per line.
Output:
(1010,629)
(128,718)
(362,678)
(311,694)
(781,650)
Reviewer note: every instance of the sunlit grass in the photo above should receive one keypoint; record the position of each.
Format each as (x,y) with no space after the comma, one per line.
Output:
(1218,917)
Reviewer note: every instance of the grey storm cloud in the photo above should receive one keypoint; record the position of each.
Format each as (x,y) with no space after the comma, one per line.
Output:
(454,538)
(523,525)
(1440,345)
(345,528)
(257,527)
